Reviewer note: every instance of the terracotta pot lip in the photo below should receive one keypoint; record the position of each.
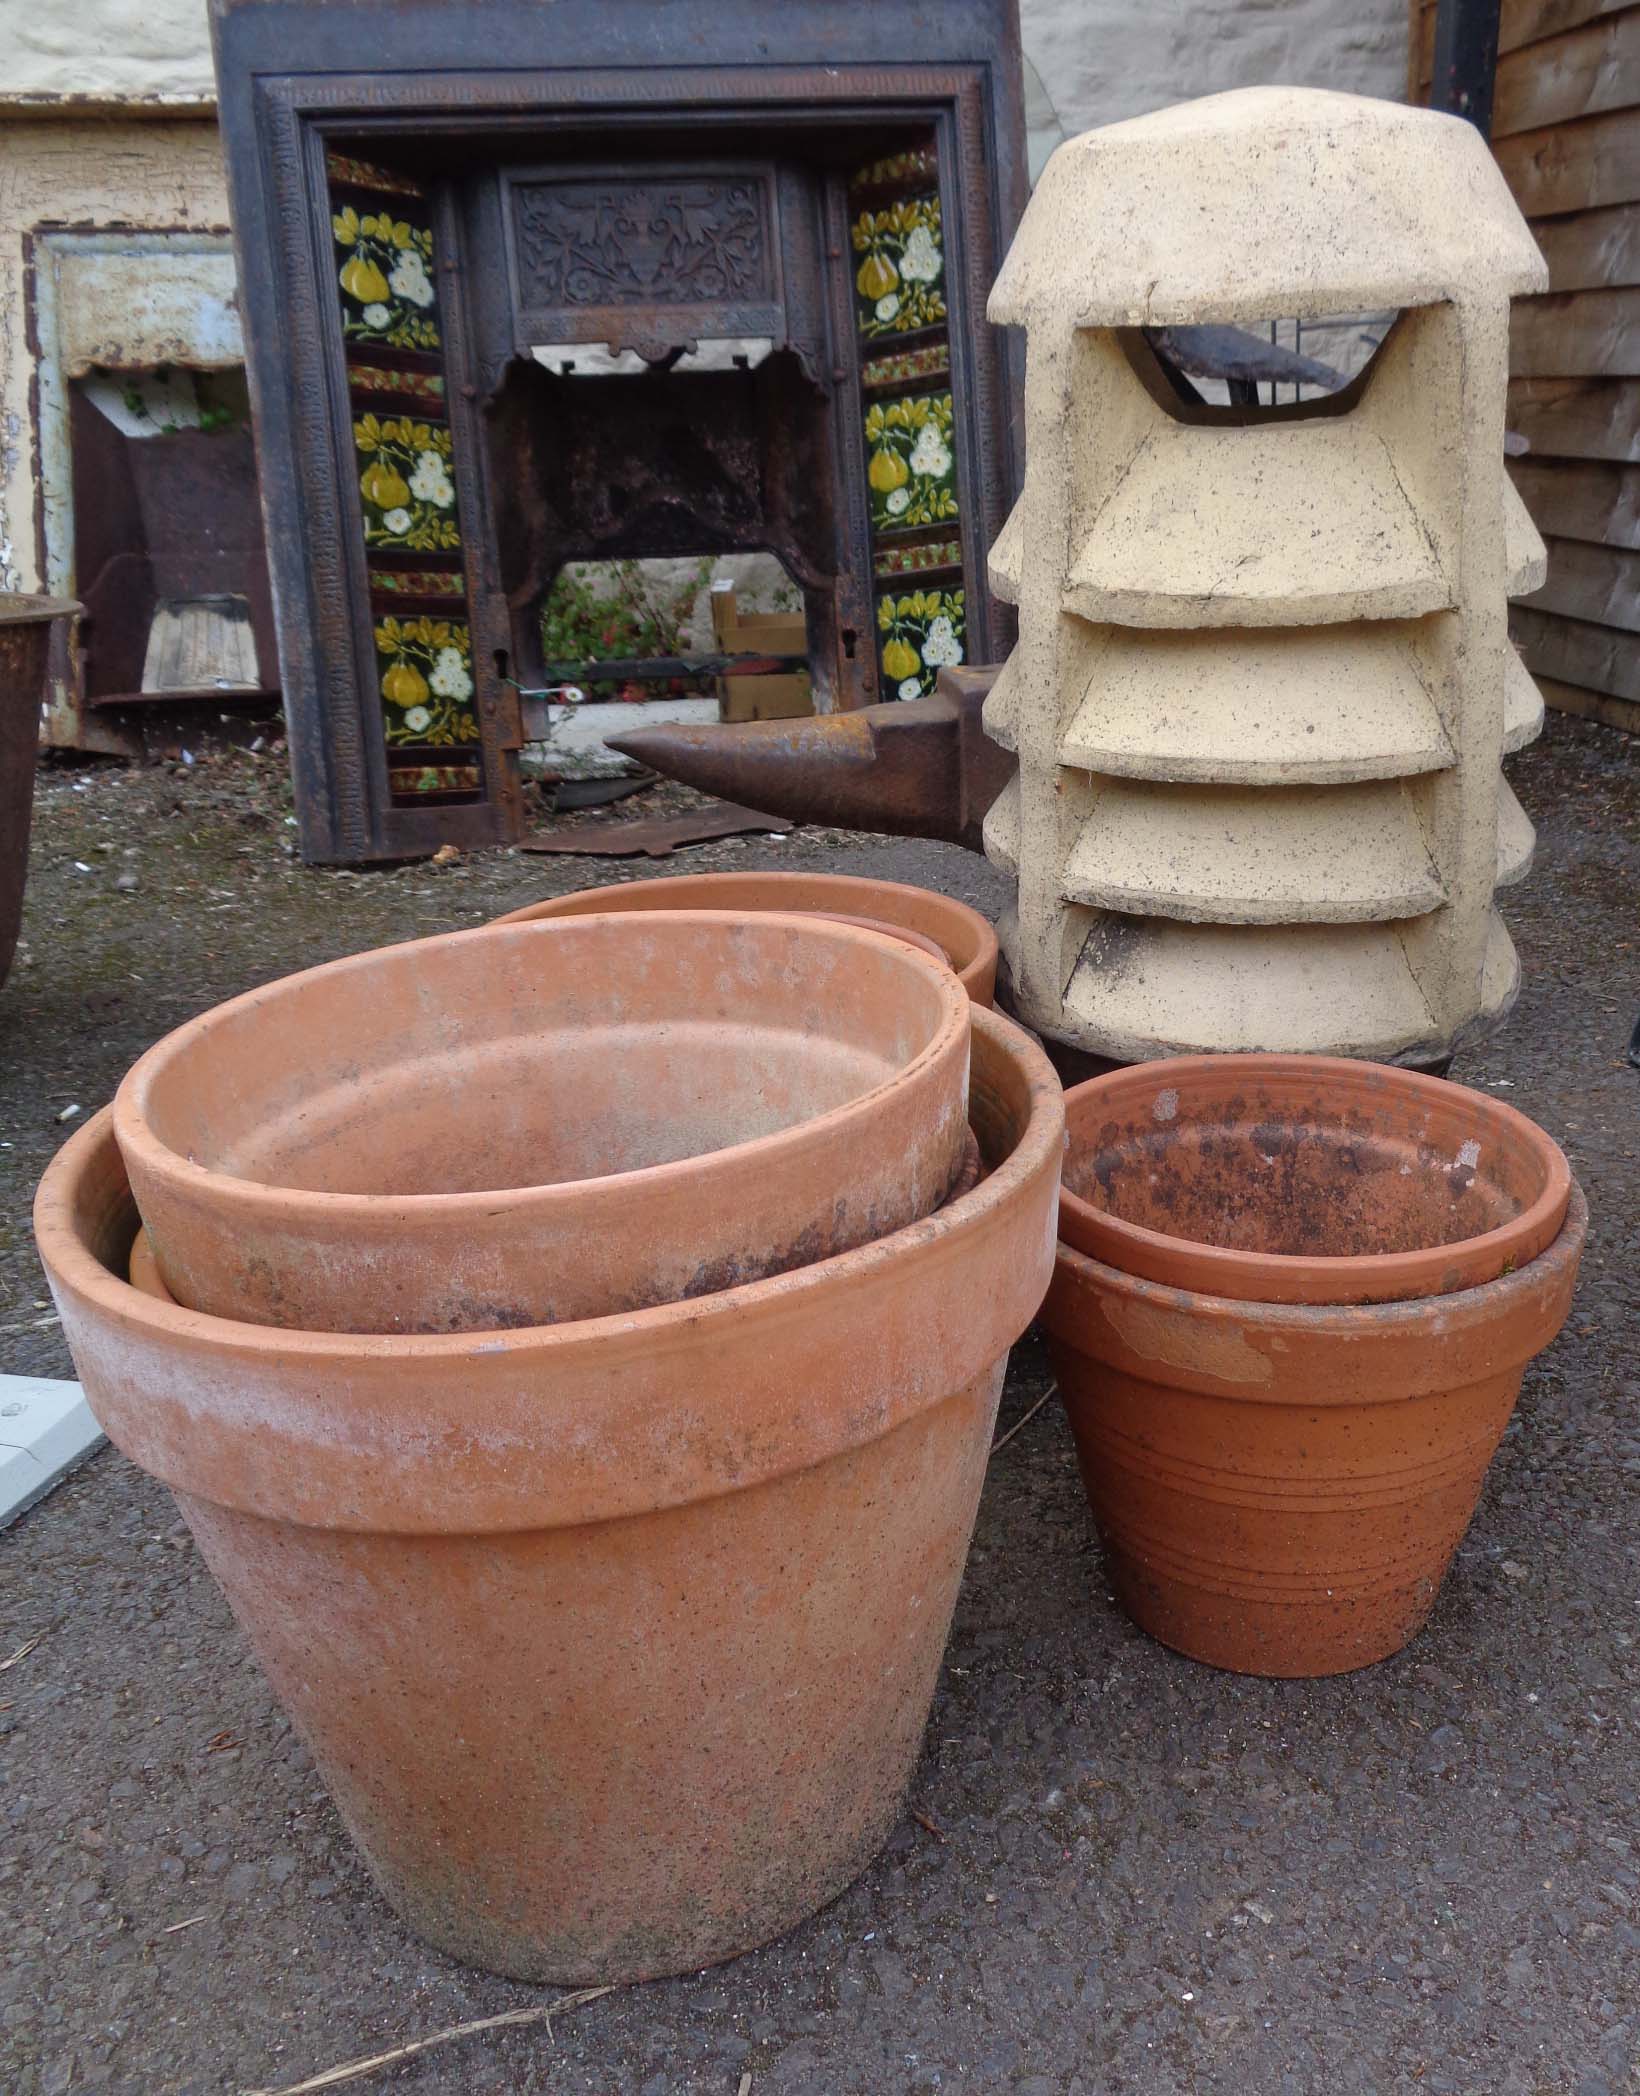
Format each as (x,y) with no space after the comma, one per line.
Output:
(562,1425)
(847,887)
(880,925)
(139,1143)
(1321,1280)
(1484,1304)
(113,1295)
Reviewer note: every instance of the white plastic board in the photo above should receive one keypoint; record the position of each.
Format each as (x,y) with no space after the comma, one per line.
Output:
(46,1430)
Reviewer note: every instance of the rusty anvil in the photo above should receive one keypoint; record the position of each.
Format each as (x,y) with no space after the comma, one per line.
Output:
(912,767)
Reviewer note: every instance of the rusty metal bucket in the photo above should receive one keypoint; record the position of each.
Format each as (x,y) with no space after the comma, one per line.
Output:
(25,643)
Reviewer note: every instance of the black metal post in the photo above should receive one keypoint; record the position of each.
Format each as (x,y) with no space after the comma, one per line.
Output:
(1466,60)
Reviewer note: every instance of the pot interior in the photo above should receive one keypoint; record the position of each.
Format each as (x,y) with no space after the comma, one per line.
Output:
(1315,1167)
(539,1054)
(844,898)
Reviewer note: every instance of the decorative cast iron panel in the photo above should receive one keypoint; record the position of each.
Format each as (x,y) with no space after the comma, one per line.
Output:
(672,242)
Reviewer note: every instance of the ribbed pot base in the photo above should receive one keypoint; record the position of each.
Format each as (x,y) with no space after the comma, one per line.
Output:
(1280,1488)
(1321,1630)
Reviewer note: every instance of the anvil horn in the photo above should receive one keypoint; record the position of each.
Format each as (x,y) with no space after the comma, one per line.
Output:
(913,767)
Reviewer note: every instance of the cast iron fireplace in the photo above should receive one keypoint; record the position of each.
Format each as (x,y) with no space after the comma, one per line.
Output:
(529,284)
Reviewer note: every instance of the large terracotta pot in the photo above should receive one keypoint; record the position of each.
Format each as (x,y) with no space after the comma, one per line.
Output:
(538,1122)
(1280,1487)
(1305,1179)
(614,1641)
(25,643)
(965,937)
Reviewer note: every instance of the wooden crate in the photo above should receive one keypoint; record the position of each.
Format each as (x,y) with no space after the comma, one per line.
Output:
(760,633)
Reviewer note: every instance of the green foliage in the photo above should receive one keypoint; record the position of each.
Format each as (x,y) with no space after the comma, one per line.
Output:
(602,613)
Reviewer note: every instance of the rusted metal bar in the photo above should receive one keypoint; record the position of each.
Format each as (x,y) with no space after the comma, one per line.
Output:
(913,767)
(1234,355)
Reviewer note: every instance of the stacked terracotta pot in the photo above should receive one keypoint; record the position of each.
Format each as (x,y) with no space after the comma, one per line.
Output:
(574,1347)
(939,923)
(1293,1303)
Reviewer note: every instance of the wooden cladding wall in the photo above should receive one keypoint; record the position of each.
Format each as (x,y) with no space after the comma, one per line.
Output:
(1566,132)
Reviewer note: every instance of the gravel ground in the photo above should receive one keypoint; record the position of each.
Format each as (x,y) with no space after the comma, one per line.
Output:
(1140,1875)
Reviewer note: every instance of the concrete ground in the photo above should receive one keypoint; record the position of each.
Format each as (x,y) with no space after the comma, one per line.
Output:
(1119,1871)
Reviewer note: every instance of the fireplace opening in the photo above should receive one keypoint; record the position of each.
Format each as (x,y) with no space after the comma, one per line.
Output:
(621,488)
(678,640)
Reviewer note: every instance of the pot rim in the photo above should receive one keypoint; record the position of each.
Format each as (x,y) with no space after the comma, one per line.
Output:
(848,887)
(1422,1325)
(557,1425)
(1302,1279)
(880,925)
(97,1282)
(232,1192)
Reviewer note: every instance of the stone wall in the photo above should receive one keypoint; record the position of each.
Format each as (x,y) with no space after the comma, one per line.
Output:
(1098,60)
(153,51)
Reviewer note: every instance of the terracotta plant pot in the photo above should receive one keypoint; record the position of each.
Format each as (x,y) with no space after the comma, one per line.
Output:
(965,937)
(1305,1179)
(1280,1487)
(884,930)
(25,642)
(143,1269)
(540,1122)
(614,1641)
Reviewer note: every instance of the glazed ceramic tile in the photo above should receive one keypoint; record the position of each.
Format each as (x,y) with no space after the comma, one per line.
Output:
(904,366)
(388,308)
(376,381)
(417,582)
(347,172)
(919,634)
(916,560)
(911,465)
(411,780)
(405,483)
(897,281)
(384,268)
(426,671)
(917,164)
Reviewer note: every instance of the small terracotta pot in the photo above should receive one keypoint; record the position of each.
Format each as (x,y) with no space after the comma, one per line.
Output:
(1280,1487)
(614,1641)
(963,935)
(1305,1179)
(539,1122)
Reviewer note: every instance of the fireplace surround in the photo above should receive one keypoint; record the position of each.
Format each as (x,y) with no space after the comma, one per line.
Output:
(528,284)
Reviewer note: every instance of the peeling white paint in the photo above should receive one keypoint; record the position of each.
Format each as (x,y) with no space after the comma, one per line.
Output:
(91,176)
